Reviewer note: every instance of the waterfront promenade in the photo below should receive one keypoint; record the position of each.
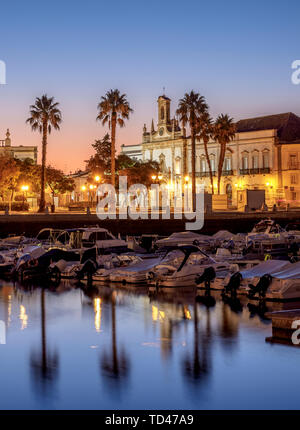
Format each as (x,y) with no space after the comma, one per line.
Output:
(30,224)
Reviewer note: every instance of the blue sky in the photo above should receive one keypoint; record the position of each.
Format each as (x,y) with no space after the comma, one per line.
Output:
(237,54)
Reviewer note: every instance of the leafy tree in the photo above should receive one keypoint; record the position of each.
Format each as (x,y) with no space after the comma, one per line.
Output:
(9,174)
(141,172)
(190,108)
(113,109)
(44,115)
(124,162)
(58,182)
(100,162)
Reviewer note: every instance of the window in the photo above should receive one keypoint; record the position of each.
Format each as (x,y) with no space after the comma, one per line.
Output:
(212,164)
(162,113)
(255,161)
(202,165)
(227,164)
(177,165)
(266,160)
(245,162)
(293,161)
(294,195)
(294,179)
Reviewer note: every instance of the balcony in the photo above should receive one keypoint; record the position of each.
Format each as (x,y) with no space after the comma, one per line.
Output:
(227,172)
(244,171)
(206,174)
(294,166)
(255,171)
(264,170)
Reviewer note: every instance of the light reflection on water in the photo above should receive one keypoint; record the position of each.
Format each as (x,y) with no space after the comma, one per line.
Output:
(116,348)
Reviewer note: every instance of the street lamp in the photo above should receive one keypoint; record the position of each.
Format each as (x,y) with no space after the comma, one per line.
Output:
(97,178)
(24,188)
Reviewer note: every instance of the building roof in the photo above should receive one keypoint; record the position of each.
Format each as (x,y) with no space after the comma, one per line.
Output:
(286,124)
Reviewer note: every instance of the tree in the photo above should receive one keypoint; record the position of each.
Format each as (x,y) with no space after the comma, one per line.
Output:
(205,131)
(190,107)
(141,172)
(113,109)
(124,162)
(100,162)
(9,174)
(30,174)
(44,115)
(224,132)
(58,182)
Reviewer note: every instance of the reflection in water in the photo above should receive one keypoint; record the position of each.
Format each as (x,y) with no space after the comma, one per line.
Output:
(197,365)
(23,317)
(157,351)
(114,364)
(97,310)
(44,364)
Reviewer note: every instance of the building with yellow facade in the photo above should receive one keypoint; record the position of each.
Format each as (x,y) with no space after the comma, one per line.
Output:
(265,154)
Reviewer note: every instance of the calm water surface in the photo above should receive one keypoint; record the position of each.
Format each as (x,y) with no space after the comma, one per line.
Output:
(110,348)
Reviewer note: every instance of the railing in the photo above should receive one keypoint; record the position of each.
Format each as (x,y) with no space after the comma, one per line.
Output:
(206,174)
(294,166)
(227,172)
(264,170)
(255,171)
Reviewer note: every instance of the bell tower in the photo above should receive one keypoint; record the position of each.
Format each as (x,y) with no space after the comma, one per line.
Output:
(163,111)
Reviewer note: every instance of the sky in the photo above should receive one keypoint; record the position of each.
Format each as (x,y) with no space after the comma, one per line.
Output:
(236,54)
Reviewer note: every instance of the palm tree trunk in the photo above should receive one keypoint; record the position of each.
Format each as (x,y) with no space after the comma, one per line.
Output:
(209,166)
(220,166)
(193,140)
(113,148)
(43,172)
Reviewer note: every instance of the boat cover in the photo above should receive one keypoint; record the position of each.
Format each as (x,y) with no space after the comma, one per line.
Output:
(267,267)
(289,272)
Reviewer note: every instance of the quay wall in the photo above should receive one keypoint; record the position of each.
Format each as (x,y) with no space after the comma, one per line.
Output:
(31,224)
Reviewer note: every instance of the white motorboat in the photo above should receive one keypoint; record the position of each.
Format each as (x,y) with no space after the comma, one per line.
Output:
(115,263)
(135,273)
(266,229)
(184,238)
(283,285)
(83,237)
(249,275)
(191,265)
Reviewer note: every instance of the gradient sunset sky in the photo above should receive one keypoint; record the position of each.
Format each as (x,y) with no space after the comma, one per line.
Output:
(237,54)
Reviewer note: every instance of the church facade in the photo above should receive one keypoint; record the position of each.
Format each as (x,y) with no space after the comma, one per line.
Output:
(265,154)
(20,152)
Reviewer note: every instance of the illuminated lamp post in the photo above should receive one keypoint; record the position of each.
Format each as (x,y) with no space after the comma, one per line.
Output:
(24,188)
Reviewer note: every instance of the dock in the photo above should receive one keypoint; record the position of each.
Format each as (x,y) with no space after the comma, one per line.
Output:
(284,327)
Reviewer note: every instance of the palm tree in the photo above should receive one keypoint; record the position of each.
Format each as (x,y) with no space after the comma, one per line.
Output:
(44,115)
(190,108)
(114,109)
(224,132)
(205,131)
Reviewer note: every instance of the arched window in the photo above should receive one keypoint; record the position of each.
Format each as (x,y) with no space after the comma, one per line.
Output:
(255,161)
(162,113)
(266,159)
(177,166)
(202,164)
(212,162)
